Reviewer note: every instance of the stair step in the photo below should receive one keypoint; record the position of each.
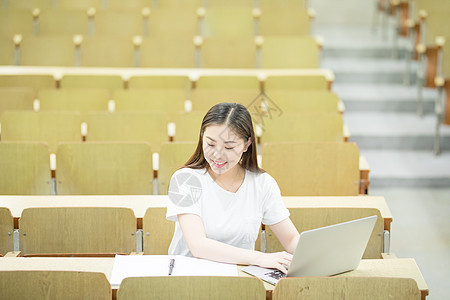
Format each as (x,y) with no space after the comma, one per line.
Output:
(407,168)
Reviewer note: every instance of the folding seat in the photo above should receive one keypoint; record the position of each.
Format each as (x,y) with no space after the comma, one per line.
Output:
(313,168)
(119,23)
(173,22)
(227,22)
(348,287)
(53,284)
(104,168)
(107,51)
(298,101)
(172,156)
(187,126)
(129,5)
(158,231)
(109,82)
(227,81)
(79,100)
(155,81)
(317,81)
(169,101)
(298,52)
(14,21)
(279,22)
(95,231)
(47,127)
(7,51)
(16,98)
(62,22)
(150,127)
(164,52)
(47,51)
(25,169)
(79,4)
(38,81)
(228,53)
(6,231)
(205,98)
(176,287)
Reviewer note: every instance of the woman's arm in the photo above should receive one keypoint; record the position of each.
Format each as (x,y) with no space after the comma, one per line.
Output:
(287,234)
(203,247)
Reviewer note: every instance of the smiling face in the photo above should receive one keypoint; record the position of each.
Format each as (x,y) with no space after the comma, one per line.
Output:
(222,148)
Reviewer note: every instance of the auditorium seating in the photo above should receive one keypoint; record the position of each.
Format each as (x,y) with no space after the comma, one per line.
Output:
(165,52)
(228,53)
(79,100)
(177,287)
(109,82)
(204,98)
(168,100)
(172,157)
(6,231)
(227,22)
(16,98)
(150,127)
(160,82)
(313,168)
(47,127)
(311,218)
(187,126)
(53,285)
(36,81)
(104,168)
(89,230)
(157,231)
(297,82)
(25,169)
(350,288)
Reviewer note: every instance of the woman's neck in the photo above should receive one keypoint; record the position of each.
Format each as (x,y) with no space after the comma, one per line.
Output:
(231,180)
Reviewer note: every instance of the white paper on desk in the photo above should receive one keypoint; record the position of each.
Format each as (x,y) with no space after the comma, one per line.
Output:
(158,265)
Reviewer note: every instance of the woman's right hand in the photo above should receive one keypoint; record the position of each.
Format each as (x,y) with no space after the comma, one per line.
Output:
(277,260)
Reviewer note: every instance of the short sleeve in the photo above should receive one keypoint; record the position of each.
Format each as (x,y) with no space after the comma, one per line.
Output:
(185,193)
(274,210)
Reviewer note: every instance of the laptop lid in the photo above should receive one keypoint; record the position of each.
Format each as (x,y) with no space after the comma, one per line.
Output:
(332,249)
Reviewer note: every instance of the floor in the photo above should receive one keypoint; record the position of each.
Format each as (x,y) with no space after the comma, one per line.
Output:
(381,114)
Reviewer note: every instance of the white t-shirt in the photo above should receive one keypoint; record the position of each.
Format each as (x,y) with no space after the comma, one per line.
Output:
(230,218)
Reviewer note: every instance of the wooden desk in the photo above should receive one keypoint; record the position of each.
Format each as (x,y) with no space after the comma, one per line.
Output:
(373,267)
(139,204)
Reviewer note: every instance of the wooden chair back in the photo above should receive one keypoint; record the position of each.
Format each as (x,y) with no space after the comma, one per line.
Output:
(158,231)
(195,287)
(280,52)
(296,82)
(307,218)
(281,126)
(171,157)
(25,169)
(48,127)
(228,53)
(104,169)
(16,98)
(6,231)
(81,100)
(109,82)
(351,288)
(150,127)
(54,285)
(304,101)
(313,168)
(77,230)
(168,100)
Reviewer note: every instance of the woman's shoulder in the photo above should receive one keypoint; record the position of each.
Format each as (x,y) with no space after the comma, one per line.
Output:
(261,177)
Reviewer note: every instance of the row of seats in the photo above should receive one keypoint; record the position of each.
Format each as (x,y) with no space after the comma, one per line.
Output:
(127,168)
(154,127)
(155,4)
(39,229)
(310,80)
(268,52)
(423,23)
(210,22)
(96,286)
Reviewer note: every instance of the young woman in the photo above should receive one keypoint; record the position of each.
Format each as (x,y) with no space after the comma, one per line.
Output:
(221,196)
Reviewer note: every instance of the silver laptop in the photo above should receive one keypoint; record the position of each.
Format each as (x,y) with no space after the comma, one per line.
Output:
(324,251)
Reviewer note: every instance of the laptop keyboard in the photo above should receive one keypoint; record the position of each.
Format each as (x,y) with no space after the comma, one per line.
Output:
(277,274)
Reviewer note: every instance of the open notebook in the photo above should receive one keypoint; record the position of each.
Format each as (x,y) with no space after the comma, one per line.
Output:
(158,265)
(324,251)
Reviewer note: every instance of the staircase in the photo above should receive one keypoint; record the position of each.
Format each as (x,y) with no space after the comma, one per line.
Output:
(381,110)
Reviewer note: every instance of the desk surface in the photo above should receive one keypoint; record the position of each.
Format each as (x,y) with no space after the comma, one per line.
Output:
(405,267)
(139,204)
